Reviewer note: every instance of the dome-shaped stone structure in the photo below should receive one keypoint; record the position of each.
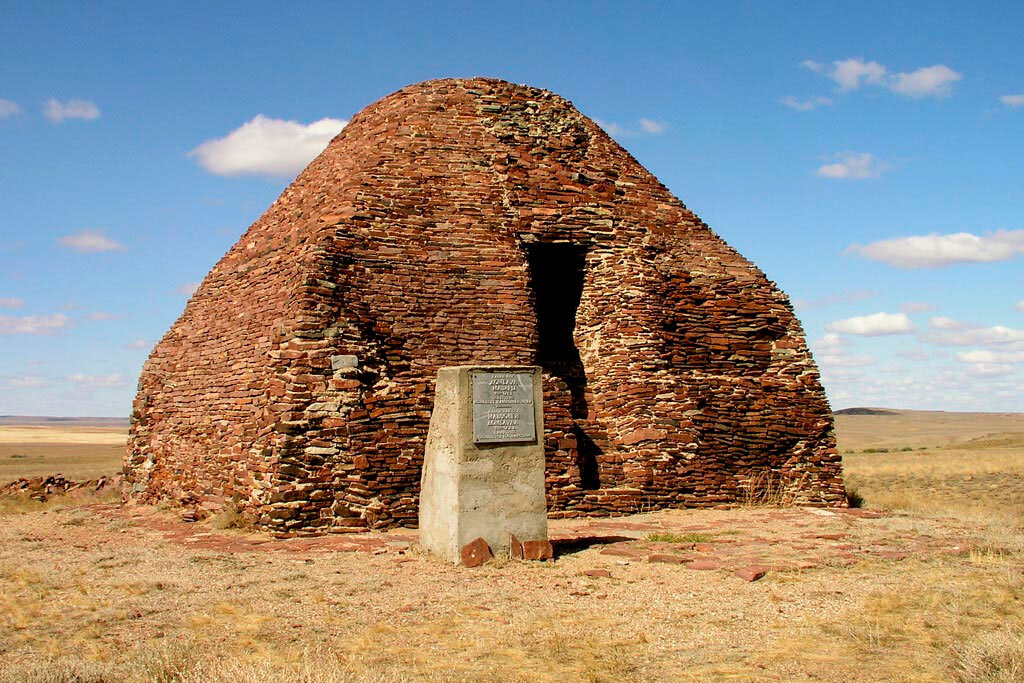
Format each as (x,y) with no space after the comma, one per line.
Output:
(476,221)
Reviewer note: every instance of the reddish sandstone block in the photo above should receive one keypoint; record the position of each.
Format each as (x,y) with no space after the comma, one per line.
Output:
(515,549)
(538,550)
(475,553)
(751,573)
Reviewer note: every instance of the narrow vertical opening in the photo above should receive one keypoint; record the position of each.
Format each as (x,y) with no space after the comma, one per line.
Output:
(557,273)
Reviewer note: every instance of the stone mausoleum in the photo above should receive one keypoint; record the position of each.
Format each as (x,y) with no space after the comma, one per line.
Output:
(464,222)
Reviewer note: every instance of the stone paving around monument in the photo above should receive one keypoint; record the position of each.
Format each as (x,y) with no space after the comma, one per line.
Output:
(742,541)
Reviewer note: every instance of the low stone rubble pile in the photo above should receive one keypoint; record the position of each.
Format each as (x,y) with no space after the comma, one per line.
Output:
(43,488)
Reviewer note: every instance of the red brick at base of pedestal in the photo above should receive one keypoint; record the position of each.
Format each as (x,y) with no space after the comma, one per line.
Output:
(476,553)
(538,550)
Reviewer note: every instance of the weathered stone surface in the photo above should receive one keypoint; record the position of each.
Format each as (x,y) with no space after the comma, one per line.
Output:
(475,553)
(419,239)
(344,361)
(667,559)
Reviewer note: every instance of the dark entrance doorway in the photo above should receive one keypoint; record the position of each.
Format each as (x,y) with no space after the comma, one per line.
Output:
(557,273)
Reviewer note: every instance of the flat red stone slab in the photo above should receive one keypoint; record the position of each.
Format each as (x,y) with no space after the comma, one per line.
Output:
(752,573)
(475,553)
(538,550)
(598,573)
(668,559)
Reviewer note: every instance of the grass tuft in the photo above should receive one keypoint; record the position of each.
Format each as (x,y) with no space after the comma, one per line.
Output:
(772,489)
(991,657)
(853,497)
(230,517)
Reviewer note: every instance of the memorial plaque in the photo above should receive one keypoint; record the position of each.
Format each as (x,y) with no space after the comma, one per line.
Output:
(503,407)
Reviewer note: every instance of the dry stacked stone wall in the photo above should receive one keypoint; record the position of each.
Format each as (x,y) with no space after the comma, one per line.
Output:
(477,221)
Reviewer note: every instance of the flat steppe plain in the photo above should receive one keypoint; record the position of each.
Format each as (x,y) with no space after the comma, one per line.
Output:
(925,582)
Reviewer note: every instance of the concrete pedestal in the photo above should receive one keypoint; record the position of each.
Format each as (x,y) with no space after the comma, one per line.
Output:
(484,480)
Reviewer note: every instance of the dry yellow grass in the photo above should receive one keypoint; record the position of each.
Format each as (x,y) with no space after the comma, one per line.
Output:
(51,435)
(92,598)
(917,428)
(74,451)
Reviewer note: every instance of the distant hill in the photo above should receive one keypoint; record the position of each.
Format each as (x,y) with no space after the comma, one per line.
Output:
(44,421)
(864,411)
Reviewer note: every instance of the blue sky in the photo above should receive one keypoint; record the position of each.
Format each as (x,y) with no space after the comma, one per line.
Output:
(869,158)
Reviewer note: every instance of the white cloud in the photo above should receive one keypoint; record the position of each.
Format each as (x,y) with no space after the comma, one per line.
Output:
(934,250)
(58,111)
(830,352)
(34,324)
(114,380)
(989,369)
(90,242)
(845,361)
(941,322)
(8,108)
(1020,306)
(611,127)
(934,81)
(924,386)
(26,382)
(137,344)
(854,73)
(100,315)
(849,166)
(645,126)
(653,127)
(955,333)
(265,146)
(808,104)
(188,288)
(873,325)
(986,356)
(11,302)
(1012,100)
(913,354)
(917,307)
(830,343)
(850,74)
